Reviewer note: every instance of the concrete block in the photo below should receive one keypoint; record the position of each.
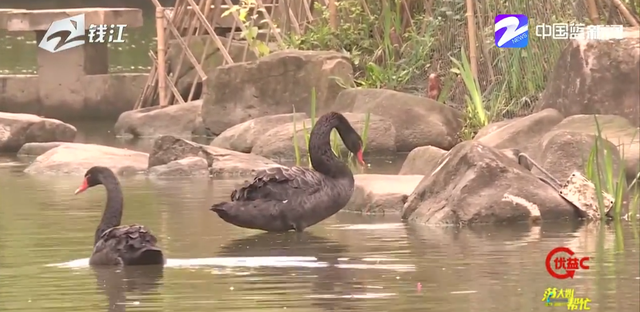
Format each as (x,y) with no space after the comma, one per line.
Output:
(4,16)
(97,96)
(87,59)
(19,94)
(108,96)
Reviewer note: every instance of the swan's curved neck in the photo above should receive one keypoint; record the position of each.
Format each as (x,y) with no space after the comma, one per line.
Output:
(322,157)
(112,214)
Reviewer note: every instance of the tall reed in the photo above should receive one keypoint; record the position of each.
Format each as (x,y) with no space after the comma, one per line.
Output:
(600,170)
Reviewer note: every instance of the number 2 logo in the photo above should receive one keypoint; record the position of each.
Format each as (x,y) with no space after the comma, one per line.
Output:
(510,24)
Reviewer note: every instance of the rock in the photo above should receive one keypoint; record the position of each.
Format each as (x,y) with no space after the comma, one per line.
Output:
(597,77)
(563,152)
(514,154)
(181,120)
(616,129)
(422,160)
(186,72)
(242,137)
(271,85)
(18,129)
(418,121)
(381,193)
(76,159)
(479,184)
(278,142)
(186,167)
(493,127)
(37,149)
(221,162)
(523,133)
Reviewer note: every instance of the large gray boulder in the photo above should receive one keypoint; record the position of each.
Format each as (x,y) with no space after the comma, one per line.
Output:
(597,77)
(37,148)
(422,160)
(18,129)
(186,167)
(76,159)
(242,137)
(273,85)
(562,152)
(475,183)
(418,121)
(203,46)
(181,120)
(221,162)
(381,193)
(521,133)
(617,130)
(278,142)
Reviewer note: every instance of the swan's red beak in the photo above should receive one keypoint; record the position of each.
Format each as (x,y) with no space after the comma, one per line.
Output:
(359,156)
(83,187)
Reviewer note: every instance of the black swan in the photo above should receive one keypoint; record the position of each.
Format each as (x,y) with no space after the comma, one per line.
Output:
(117,244)
(282,199)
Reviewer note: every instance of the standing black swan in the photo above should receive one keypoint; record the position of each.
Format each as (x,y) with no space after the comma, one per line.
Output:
(117,244)
(282,199)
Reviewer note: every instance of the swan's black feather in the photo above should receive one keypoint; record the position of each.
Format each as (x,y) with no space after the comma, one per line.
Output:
(279,183)
(127,245)
(116,244)
(280,199)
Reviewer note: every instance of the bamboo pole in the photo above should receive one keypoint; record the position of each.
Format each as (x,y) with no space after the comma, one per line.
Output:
(161,56)
(333,14)
(293,22)
(179,12)
(623,10)
(307,8)
(192,25)
(483,45)
(272,26)
(173,88)
(471,29)
(592,8)
(151,79)
(207,12)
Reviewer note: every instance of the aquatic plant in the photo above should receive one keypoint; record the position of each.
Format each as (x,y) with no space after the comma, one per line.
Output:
(479,110)
(335,138)
(385,51)
(600,170)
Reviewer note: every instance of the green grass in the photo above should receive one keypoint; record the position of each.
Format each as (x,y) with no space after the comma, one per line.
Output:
(335,137)
(600,170)
(480,110)
(382,57)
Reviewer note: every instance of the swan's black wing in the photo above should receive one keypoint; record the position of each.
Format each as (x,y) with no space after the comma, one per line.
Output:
(128,245)
(280,183)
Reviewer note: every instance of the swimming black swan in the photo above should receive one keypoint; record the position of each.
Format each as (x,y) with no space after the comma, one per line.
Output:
(282,199)
(117,244)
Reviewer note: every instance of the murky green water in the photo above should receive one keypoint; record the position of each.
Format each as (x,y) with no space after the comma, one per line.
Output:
(346,263)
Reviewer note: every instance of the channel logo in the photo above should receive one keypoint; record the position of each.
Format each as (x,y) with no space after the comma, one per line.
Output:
(511,31)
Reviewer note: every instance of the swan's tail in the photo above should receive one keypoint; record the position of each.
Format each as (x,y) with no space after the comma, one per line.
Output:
(150,255)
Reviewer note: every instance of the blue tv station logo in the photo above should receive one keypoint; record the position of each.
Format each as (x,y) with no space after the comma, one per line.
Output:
(512,31)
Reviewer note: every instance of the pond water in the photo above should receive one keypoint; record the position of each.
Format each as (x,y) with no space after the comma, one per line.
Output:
(349,262)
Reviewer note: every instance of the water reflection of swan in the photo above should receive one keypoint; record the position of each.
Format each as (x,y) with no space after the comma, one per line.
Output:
(330,284)
(117,282)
